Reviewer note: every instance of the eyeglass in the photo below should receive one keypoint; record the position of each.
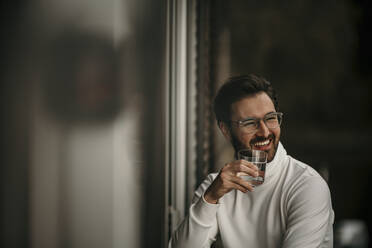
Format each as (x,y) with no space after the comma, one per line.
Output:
(250,125)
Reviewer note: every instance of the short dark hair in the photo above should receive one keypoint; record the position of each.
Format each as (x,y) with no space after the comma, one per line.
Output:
(237,88)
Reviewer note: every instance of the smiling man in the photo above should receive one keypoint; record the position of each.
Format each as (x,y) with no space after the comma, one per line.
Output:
(292,208)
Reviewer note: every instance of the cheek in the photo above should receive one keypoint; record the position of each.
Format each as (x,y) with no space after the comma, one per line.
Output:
(277,134)
(244,138)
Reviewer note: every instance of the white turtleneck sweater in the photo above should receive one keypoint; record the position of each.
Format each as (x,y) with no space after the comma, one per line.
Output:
(291,209)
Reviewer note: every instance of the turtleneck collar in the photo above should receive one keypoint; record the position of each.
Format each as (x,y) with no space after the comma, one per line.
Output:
(273,166)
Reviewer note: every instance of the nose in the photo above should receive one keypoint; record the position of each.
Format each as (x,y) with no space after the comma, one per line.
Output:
(263,130)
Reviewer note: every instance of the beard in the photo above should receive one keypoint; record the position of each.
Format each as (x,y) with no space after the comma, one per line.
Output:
(238,145)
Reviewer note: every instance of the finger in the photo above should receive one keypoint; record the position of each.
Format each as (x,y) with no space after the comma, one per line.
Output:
(240,168)
(227,179)
(227,169)
(240,187)
(248,164)
(242,183)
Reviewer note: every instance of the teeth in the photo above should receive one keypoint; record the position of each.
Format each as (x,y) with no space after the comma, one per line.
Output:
(263,143)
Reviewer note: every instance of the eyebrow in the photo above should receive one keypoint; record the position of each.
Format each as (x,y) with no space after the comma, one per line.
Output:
(248,119)
(272,112)
(253,118)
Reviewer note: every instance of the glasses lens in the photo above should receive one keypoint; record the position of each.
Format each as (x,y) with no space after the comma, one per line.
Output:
(273,120)
(249,125)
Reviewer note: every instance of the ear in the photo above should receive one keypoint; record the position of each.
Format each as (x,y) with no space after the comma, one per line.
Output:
(225,130)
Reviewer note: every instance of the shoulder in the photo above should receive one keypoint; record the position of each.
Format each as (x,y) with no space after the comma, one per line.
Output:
(301,168)
(305,183)
(299,173)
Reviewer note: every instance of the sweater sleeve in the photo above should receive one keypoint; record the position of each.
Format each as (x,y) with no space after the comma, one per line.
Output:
(199,228)
(309,215)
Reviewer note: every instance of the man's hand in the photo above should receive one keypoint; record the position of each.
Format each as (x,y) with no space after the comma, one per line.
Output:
(229,179)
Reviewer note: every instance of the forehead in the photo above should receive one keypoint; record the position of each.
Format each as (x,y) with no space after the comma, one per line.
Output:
(257,106)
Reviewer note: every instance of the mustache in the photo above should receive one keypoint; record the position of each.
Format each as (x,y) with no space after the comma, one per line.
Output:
(259,139)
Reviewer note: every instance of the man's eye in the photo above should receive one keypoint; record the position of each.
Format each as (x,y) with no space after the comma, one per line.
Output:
(271,118)
(248,124)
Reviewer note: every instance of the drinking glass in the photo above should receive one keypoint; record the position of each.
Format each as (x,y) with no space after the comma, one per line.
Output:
(258,158)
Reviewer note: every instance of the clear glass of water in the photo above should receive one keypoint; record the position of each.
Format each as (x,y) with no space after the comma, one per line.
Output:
(258,158)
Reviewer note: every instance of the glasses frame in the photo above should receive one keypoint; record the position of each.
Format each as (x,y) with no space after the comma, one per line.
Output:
(257,121)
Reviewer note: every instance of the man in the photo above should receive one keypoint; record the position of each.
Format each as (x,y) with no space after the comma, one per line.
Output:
(291,209)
